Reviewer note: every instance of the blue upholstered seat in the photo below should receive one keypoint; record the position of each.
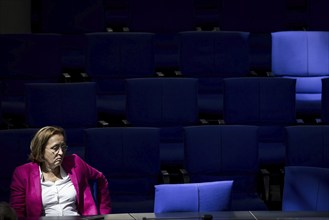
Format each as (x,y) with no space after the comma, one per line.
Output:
(26,58)
(264,101)
(166,103)
(225,152)
(129,158)
(304,56)
(211,57)
(164,18)
(69,105)
(111,59)
(15,148)
(306,189)
(307,146)
(193,197)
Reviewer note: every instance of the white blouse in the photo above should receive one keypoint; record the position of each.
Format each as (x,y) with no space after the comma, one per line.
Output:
(58,198)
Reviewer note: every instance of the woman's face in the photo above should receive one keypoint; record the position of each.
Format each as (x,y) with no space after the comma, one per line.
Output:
(54,151)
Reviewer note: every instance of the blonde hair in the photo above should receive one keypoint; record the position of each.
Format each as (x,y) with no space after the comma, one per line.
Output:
(40,140)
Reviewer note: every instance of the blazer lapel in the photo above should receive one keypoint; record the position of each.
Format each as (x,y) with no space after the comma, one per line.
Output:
(34,204)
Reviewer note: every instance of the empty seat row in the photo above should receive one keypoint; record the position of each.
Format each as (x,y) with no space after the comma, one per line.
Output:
(170,104)
(130,159)
(110,58)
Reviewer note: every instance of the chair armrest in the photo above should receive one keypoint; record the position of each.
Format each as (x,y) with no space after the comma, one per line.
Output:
(165,177)
(185,175)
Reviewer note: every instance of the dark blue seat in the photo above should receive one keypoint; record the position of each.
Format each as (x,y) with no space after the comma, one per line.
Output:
(72,19)
(129,158)
(307,146)
(211,57)
(69,105)
(164,18)
(225,152)
(26,58)
(266,102)
(306,189)
(302,55)
(15,148)
(112,58)
(166,103)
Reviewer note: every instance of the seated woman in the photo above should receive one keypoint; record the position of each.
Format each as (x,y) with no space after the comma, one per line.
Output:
(54,184)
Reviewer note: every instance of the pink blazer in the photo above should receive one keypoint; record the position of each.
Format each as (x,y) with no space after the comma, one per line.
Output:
(25,195)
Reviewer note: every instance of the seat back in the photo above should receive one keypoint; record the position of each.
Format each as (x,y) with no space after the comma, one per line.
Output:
(15,148)
(259,101)
(225,152)
(129,158)
(266,102)
(306,189)
(193,197)
(69,105)
(211,57)
(162,101)
(29,58)
(114,57)
(166,103)
(304,56)
(307,146)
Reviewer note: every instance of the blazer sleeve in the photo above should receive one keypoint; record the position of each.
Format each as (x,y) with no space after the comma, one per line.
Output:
(17,192)
(104,200)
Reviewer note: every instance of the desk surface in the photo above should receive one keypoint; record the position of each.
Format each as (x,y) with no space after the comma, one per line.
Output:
(238,215)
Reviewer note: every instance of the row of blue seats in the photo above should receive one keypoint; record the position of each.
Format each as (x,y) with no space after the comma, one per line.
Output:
(111,58)
(171,103)
(130,159)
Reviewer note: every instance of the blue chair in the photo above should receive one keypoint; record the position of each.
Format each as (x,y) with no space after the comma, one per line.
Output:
(164,18)
(266,102)
(111,59)
(302,55)
(306,189)
(210,57)
(166,103)
(15,148)
(325,101)
(26,58)
(225,152)
(193,197)
(307,145)
(129,158)
(69,105)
